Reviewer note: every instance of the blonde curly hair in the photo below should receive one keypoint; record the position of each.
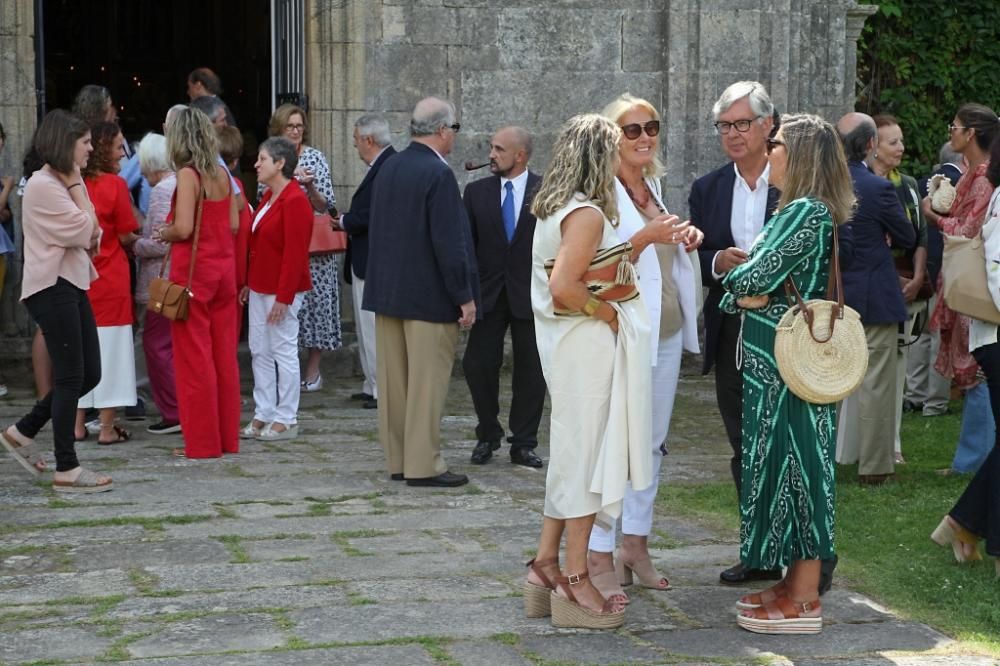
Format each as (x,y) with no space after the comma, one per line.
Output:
(584,162)
(191,141)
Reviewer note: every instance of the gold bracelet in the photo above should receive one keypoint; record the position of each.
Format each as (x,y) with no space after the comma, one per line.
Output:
(590,307)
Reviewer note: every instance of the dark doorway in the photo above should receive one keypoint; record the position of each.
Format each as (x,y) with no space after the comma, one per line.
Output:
(142,51)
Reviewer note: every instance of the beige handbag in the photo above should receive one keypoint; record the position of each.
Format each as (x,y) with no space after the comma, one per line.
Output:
(820,345)
(963,277)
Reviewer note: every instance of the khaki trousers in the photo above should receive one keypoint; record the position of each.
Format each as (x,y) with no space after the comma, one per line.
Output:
(414,360)
(867,420)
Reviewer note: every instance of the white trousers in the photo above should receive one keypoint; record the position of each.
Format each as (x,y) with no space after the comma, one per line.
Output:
(637,509)
(364,325)
(274,349)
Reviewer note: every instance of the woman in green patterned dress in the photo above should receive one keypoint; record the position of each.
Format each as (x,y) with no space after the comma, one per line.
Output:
(787,503)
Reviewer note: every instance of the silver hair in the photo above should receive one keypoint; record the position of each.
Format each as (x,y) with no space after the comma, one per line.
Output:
(153,154)
(431,114)
(376,126)
(172,113)
(754,91)
(949,155)
(280,148)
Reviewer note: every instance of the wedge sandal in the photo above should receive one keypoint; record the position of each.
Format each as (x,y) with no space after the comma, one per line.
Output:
(27,455)
(536,597)
(949,532)
(568,613)
(751,601)
(783,616)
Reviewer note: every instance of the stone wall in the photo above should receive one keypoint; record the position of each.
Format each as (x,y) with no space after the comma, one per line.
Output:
(535,64)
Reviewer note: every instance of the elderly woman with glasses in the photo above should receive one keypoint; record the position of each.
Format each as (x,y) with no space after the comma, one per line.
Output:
(670,281)
(787,498)
(319,318)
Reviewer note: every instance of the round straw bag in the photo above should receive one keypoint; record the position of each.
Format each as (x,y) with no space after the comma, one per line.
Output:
(828,369)
(820,345)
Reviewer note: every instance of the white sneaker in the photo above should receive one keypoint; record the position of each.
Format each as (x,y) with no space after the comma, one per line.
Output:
(93,427)
(268,435)
(314,385)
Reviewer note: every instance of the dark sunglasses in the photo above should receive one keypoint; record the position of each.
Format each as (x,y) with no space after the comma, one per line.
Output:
(456,127)
(634,130)
(771,143)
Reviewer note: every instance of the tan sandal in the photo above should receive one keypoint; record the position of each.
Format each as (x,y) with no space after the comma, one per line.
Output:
(783,616)
(607,584)
(536,597)
(949,531)
(644,570)
(568,613)
(758,599)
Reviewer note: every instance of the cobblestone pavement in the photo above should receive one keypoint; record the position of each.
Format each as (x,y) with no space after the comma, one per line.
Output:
(305,553)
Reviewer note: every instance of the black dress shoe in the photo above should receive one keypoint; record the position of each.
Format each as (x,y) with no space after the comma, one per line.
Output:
(443,480)
(483,452)
(397,477)
(740,574)
(362,396)
(525,457)
(370,404)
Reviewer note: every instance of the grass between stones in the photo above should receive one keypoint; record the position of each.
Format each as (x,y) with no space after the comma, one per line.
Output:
(149,523)
(237,553)
(883,536)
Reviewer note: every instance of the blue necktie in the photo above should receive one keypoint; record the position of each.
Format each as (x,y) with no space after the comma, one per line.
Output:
(507,210)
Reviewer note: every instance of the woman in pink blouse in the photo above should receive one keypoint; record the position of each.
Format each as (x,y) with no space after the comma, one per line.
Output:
(60,231)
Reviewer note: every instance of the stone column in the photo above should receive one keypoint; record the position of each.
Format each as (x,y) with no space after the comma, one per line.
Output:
(18,115)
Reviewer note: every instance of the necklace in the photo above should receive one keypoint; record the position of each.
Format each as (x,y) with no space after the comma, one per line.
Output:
(642,200)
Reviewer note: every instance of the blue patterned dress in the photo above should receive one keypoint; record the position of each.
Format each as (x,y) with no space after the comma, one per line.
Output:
(787,503)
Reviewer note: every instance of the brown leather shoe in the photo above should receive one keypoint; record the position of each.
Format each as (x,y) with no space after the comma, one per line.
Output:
(874,479)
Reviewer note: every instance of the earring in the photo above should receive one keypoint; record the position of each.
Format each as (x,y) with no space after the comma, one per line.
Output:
(875,155)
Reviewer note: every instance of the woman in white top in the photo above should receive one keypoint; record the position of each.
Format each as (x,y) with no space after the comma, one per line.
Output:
(976,514)
(595,358)
(60,228)
(670,282)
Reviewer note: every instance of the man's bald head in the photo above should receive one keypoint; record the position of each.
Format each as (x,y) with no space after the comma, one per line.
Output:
(858,133)
(510,149)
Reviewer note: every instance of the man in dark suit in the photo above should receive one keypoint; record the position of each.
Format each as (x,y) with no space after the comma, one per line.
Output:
(730,205)
(421,283)
(867,423)
(372,139)
(502,231)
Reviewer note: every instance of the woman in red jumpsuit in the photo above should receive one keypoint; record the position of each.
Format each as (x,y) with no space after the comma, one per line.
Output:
(208,382)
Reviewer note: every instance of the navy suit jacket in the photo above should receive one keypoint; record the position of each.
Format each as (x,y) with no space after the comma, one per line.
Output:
(420,258)
(502,265)
(870,283)
(355,221)
(711,206)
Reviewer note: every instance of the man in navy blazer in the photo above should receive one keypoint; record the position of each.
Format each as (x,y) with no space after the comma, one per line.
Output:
(731,205)
(372,139)
(502,232)
(421,283)
(867,424)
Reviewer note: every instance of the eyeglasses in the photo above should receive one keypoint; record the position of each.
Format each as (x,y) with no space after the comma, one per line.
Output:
(952,128)
(772,143)
(634,130)
(456,127)
(743,125)
(295,128)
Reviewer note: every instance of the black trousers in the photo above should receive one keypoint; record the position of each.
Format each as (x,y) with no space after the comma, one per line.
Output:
(978,509)
(729,392)
(481,363)
(63,313)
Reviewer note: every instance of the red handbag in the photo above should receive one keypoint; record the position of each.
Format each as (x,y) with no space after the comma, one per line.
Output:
(324,239)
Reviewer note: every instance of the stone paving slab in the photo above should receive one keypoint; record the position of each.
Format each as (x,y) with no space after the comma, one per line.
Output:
(305,553)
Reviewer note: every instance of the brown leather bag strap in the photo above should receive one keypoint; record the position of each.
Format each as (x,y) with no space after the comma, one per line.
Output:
(834,281)
(197,228)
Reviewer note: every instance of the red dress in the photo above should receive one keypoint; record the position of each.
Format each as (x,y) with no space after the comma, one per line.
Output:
(110,294)
(208,380)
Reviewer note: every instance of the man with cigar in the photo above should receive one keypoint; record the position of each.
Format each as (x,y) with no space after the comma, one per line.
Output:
(502,231)
(421,283)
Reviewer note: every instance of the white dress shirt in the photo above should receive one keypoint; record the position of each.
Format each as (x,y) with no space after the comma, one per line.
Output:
(520,185)
(748,211)
(982,333)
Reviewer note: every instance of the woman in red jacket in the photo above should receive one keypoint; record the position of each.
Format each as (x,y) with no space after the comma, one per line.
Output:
(207,376)
(110,295)
(277,278)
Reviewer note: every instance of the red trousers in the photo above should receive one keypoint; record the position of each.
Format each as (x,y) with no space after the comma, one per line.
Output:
(208,377)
